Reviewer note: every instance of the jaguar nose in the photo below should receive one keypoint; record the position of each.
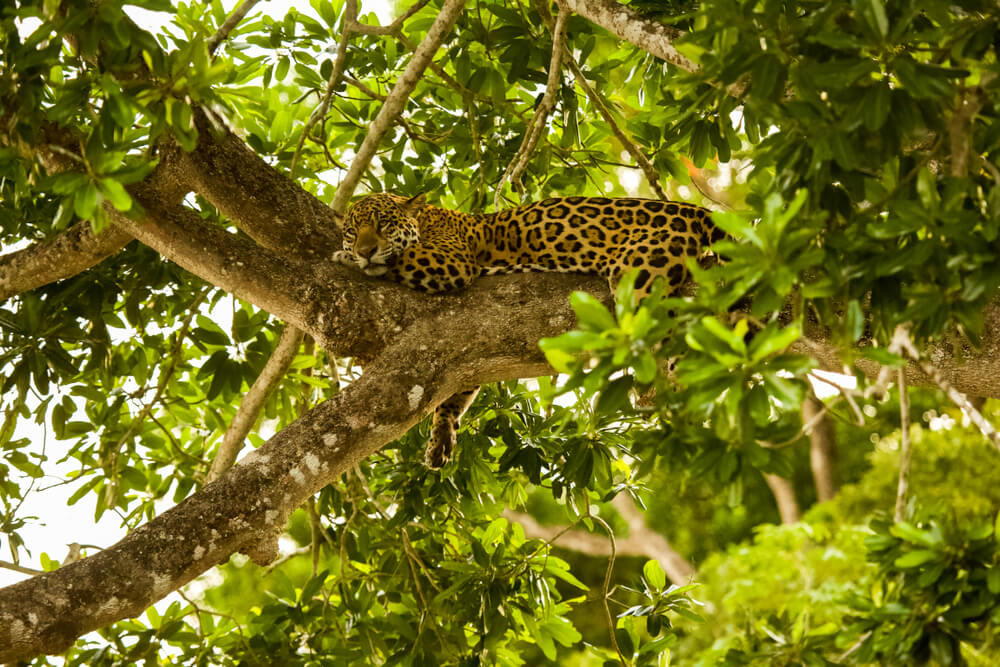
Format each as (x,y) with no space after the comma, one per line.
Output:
(366,250)
(367,243)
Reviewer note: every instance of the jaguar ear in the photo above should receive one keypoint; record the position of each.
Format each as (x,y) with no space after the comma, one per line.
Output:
(414,204)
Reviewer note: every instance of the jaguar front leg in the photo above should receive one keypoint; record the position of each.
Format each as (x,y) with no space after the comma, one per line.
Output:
(444,425)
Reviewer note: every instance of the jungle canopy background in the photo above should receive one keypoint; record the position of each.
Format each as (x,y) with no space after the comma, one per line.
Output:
(169,208)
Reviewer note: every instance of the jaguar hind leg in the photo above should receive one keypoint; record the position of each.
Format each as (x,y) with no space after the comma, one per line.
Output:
(444,425)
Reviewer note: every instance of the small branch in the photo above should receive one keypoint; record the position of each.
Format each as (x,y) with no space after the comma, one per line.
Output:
(20,568)
(391,29)
(605,588)
(252,404)
(231,22)
(520,160)
(706,189)
(648,170)
(167,373)
(396,101)
(642,541)
(902,490)
(677,568)
(957,397)
(339,64)
(960,131)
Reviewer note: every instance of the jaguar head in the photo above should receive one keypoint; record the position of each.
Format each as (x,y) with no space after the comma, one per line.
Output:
(378,228)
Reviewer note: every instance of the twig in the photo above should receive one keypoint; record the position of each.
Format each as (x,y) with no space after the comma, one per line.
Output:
(252,404)
(648,170)
(391,29)
(848,396)
(231,22)
(396,101)
(905,455)
(607,584)
(822,446)
(520,161)
(112,487)
(957,397)
(315,533)
(20,568)
(339,64)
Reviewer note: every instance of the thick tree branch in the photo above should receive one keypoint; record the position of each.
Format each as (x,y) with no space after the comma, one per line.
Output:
(429,361)
(268,206)
(77,248)
(228,261)
(64,256)
(966,369)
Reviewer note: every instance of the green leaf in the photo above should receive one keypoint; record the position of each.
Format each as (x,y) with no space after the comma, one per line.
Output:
(916,558)
(881,20)
(701,145)
(854,321)
(770,340)
(115,192)
(591,312)
(615,396)
(993,580)
(86,201)
(876,105)
(654,575)
(645,367)
(765,76)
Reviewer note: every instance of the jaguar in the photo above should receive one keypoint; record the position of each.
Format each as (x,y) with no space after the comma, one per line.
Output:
(434,249)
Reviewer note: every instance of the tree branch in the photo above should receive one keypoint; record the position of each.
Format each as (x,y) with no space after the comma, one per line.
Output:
(903,488)
(631,26)
(784,497)
(641,541)
(396,100)
(265,204)
(512,174)
(391,29)
(648,170)
(231,22)
(339,64)
(243,509)
(64,256)
(77,248)
(253,402)
(822,447)
(228,261)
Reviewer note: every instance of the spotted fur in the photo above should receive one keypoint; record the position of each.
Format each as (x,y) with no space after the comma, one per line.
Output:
(433,249)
